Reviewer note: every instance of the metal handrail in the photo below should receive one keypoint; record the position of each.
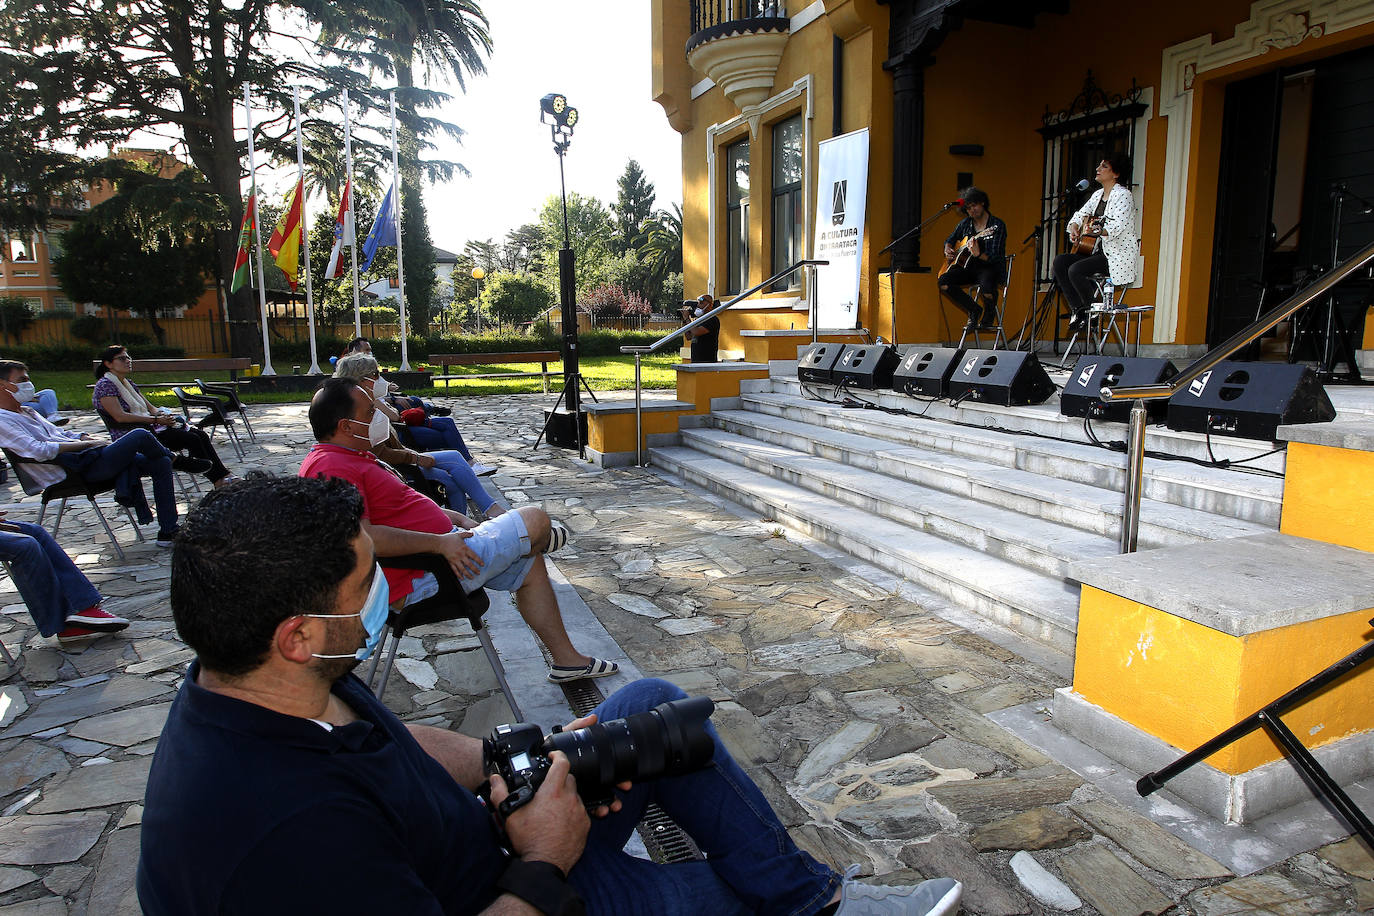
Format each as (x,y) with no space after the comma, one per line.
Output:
(640,351)
(1130,522)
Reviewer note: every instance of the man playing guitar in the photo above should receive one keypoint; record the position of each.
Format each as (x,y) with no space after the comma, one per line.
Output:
(975,254)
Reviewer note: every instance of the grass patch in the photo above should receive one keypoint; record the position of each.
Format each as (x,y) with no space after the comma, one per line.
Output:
(602,373)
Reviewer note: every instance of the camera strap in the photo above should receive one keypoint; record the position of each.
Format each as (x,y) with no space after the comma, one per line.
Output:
(543,886)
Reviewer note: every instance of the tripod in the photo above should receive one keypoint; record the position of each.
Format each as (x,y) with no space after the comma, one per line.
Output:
(1269,719)
(1048,305)
(1334,333)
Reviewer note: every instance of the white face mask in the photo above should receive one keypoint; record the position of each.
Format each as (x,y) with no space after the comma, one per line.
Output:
(379,430)
(25,393)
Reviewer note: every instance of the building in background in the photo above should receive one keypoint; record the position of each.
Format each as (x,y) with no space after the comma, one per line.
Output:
(1241,118)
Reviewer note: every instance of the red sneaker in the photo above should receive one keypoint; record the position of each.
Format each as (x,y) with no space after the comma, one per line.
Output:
(76,636)
(96,620)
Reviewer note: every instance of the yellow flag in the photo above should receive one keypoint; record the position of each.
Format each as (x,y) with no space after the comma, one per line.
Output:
(285,244)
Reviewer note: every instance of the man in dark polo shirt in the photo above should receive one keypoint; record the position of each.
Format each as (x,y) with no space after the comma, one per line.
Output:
(280,784)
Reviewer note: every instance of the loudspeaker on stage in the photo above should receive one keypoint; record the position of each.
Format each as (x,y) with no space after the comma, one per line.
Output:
(866,365)
(1010,378)
(925,371)
(1082,392)
(1250,399)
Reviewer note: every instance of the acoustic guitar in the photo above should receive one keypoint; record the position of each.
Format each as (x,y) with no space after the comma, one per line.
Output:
(961,252)
(1089,238)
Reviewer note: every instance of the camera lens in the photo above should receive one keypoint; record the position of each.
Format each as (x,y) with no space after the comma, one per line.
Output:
(668,740)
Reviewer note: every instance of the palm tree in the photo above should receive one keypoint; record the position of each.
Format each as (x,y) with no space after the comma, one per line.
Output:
(663,245)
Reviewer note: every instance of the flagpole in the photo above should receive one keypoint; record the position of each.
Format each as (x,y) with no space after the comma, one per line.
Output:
(400,262)
(350,221)
(305,230)
(257,238)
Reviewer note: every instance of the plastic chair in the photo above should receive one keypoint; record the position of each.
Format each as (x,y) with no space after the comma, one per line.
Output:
(73,485)
(451,603)
(215,415)
(230,396)
(998,310)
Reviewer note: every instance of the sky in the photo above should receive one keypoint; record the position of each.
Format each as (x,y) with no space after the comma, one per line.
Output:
(597,53)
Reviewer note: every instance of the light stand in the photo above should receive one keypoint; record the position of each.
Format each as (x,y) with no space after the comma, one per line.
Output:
(561,118)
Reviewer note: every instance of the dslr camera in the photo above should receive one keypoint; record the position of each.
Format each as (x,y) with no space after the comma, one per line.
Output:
(668,740)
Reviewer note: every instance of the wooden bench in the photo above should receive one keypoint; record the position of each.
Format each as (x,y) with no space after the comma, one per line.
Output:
(543,357)
(232,365)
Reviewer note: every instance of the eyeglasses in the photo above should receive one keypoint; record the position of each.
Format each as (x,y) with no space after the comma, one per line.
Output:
(126,358)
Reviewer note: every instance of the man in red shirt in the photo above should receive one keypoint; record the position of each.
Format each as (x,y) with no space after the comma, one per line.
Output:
(504,553)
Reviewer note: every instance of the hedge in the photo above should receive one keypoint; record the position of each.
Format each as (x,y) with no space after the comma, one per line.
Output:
(589,343)
(68,358)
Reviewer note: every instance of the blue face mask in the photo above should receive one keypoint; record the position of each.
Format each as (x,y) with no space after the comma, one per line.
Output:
(373,614)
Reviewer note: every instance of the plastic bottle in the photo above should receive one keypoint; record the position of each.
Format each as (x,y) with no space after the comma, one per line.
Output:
(1108,294)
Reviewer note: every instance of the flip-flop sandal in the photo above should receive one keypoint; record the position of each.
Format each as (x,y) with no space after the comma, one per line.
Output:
(562,674)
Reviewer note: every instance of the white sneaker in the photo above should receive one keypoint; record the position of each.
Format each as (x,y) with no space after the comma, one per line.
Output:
(936,897)
(482,470)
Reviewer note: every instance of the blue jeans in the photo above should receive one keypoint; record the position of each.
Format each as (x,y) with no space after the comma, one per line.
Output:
(47,579)
(752,864)
(137,449)
(47,403)
(441,432)
(453,471)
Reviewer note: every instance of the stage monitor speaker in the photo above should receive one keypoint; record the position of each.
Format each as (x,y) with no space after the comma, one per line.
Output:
(1251,400)
(1007,377)
(924,371)
(817,362)
(866,365)
(1082,392)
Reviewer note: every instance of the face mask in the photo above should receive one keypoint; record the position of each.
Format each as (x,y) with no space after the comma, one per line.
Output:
(374,613)
(25,393)
(379,430)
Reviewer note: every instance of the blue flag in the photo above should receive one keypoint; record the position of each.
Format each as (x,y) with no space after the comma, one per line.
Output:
(383,230)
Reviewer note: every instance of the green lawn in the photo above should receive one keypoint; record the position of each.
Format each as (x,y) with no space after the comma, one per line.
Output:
(603,373)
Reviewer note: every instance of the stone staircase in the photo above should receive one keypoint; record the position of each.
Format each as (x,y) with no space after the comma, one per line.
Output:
(982,507)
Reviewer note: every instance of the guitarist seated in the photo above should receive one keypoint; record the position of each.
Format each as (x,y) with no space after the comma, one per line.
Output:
(1102,240)
(975,255)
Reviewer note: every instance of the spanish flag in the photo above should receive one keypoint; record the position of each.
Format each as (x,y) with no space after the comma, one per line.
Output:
(285,244)
(243,273)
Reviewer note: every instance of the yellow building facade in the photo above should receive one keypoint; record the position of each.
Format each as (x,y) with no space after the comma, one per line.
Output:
(1016,98)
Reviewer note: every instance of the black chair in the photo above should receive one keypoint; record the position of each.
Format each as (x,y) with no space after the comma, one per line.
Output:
(111,425)
(229,395)
(215,415)
(451,603)
(74,484)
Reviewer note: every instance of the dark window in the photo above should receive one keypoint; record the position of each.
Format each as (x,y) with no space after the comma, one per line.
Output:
(788,155)
(737,216)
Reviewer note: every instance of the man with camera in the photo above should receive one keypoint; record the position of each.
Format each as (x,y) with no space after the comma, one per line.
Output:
(280,785)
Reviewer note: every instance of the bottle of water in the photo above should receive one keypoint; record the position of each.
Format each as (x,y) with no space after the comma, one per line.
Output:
(1108,294)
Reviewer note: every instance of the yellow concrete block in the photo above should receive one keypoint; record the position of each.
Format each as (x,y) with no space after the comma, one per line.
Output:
(1184,682)
(615,432)
(1328,495)
(700,387)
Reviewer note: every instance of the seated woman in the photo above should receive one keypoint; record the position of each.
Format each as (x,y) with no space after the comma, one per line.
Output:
(119,402)
(437,431)
(446,466)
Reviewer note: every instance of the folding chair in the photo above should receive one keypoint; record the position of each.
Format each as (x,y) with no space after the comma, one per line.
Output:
(215,415)
(73,485)
(1094,332)
(451,603)
(111,425)
(998,309)
(231,403)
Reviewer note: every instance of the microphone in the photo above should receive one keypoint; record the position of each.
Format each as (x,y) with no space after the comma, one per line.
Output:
(1082,185)
(955,203)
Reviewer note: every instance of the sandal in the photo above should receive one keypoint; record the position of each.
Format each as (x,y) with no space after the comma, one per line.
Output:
(562,674)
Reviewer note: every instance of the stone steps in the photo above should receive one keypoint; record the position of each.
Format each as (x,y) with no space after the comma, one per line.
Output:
(1238,495)
(1041,606)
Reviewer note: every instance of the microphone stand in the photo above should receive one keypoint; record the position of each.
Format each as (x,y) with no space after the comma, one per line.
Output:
(1048,305)
(913,231)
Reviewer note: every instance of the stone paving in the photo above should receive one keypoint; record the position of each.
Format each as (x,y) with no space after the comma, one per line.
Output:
(861,715)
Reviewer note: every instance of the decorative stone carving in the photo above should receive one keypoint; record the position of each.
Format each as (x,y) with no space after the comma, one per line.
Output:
(741,63)
(1289,31)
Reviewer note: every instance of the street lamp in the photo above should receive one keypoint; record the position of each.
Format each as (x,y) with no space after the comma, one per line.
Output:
(561,117)
(477,274)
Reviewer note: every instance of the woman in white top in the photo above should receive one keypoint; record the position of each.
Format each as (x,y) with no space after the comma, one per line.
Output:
(1111,210)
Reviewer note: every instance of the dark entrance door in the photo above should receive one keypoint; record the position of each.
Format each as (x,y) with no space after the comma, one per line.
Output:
(1249,150)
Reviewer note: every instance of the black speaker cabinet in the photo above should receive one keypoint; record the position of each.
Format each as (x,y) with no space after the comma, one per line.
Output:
(817,362)
(866,365)
(1251,400)
(1082,392)
(561,432)
(1006,377)
(925,371)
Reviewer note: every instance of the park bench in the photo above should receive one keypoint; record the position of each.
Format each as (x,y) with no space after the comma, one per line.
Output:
(543,357)
(192,368)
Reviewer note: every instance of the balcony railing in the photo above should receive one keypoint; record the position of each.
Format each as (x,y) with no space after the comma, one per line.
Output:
(715,17)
